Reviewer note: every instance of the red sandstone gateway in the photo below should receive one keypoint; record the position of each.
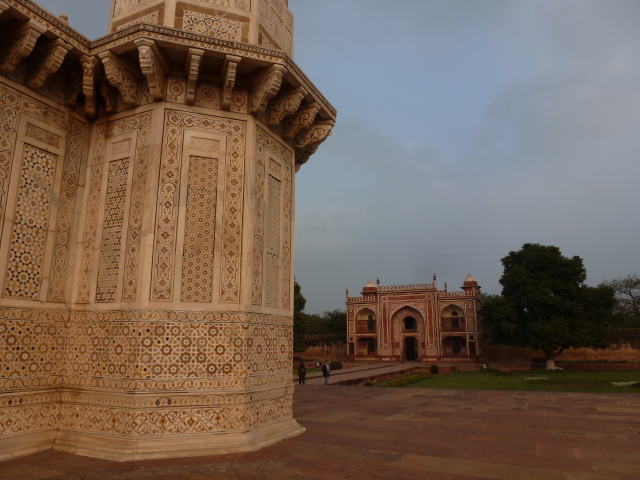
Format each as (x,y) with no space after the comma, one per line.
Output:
(415,323)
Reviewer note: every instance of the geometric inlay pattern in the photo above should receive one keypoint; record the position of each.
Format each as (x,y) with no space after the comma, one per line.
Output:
(286,231)
(258,227)
(197,266)
(212,25)
(140,124)
(142,350)
(109,264)
(23,276)
(272,279)
(167,210)
(267,146)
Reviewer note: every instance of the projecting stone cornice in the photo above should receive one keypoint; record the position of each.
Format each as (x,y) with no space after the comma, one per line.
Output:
(154,67)
(124,41)
(307,142)
(284,105)
(249,79)
(122,76)
(47,60)
(264,87)
(18,43)
(302,120)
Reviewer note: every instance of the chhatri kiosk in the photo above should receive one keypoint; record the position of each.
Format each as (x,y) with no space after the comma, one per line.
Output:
(147,204)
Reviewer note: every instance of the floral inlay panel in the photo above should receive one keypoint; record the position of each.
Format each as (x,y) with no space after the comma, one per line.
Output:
(213,25)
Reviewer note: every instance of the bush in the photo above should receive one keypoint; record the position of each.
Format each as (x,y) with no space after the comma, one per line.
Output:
(402,381)
(367,384)
(434,369)
(636,385)
(335,366)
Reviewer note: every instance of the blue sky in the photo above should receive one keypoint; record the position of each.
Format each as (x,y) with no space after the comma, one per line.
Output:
(466,128)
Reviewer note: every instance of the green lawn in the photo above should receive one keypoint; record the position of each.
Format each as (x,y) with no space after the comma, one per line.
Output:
(491,381)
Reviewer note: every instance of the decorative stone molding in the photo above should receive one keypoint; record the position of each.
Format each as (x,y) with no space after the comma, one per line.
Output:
(74,88)
(192,67)
(89,84)
(122,76)
(153,66)
(300,121)
(3,7)
(47,60)
(110,95)
(228,79)
(19,43)
(264,87)
(282,106)
(307,142)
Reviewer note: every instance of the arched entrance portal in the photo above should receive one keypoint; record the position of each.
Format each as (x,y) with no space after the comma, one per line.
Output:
(411,349)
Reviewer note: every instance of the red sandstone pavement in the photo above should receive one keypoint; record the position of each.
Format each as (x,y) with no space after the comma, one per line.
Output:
(374,433)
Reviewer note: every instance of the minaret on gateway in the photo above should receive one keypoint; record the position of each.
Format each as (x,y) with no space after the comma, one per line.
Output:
(147,210)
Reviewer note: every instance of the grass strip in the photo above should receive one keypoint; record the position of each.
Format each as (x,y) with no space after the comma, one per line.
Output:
(403,381)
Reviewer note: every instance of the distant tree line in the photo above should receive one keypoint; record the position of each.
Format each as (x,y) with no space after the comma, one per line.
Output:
(333,322)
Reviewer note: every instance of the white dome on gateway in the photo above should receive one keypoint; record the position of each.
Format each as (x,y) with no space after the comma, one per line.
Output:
(446,325)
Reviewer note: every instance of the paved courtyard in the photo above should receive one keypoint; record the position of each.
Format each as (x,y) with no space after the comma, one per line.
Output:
(374,433)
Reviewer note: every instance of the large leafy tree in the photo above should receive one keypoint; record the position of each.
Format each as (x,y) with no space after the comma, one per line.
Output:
(545,304)
(299,319)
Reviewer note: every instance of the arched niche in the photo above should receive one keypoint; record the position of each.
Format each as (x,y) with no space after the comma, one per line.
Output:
(453,319)
(366,320)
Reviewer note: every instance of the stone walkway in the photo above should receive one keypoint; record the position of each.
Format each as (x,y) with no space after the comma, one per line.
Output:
(362,433)
(358,372)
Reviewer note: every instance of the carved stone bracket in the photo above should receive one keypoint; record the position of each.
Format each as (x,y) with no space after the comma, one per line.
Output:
(228,79)
(47,60)
(284,105)
(153,66)
(3,7)
(89,84)
(264,87)
(122,76)
(307,142)
(192,67)
(300,121)
(18,43)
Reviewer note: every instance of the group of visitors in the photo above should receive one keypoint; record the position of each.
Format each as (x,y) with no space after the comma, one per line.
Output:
(302,372)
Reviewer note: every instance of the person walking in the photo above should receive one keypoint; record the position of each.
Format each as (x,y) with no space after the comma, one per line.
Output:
(326,372)
(302,372)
